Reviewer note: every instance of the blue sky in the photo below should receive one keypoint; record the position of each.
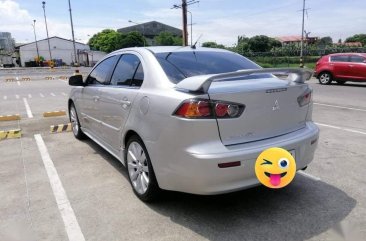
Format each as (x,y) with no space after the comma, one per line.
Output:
(217,20)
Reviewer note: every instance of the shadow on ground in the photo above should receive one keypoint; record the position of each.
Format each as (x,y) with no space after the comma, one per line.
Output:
(304,209)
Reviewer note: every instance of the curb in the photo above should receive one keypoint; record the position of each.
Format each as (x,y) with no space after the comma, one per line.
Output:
(60,128)
(49,78)
(54,113)
(63,77)
(26,79)
(9,117)
(10,134)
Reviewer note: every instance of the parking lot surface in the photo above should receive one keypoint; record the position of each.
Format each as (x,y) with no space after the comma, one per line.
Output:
(54,187)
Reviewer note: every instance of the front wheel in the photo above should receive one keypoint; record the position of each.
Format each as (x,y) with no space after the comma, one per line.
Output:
(140,170)
(325,78)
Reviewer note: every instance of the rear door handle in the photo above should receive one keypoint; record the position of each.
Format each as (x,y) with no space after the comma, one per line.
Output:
(350,65)
(125,102)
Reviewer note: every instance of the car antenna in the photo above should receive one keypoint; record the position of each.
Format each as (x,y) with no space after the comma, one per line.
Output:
(194,45)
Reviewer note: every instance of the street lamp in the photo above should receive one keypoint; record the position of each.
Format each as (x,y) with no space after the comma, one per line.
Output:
(73,36)
(35,38)
(45,21)
(191,27)
(143,30)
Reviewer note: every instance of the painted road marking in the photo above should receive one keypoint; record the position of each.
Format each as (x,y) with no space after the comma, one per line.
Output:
(61,128)
(63,93)
(18,83)
(17,96)
(10,134)
(309,176)
(9,117)
(341,107)
(5,97)
(71,224)
(27,108)
(52,94)
(40,94)
(29,96)
(54,113)
(341,128)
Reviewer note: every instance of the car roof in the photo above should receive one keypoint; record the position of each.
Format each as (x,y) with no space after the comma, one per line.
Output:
(355,54)
(169,49)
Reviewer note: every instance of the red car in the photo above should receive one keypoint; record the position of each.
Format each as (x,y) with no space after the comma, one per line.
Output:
(341,67)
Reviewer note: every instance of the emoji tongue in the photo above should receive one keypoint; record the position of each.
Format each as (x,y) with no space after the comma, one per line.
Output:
(275,179)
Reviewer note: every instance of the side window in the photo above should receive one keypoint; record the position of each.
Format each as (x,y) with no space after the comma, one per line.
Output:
(357,59)
(102,72)
(339,58)
(128,71)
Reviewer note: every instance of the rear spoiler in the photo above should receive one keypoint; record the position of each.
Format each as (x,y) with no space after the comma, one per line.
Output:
(202,83)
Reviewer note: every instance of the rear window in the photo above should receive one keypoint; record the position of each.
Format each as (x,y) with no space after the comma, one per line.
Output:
(181,65)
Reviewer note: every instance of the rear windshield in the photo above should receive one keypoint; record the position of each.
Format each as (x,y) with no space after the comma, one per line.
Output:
(180,65)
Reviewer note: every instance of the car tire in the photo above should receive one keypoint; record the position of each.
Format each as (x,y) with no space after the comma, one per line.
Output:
(325,78)
(75,124)
(340,82)
(140,171)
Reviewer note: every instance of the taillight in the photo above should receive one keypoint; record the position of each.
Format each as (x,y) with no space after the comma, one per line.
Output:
(305,98)
(208,109)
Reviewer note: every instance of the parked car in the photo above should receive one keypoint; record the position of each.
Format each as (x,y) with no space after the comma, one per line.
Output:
(341,68)
(191,120)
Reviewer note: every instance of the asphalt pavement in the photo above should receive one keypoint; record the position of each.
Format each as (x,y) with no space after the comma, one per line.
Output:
(54,187)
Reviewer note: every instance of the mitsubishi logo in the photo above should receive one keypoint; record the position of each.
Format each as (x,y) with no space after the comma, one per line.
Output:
(276,106)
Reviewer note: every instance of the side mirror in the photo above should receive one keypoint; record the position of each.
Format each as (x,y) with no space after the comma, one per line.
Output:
(76,80)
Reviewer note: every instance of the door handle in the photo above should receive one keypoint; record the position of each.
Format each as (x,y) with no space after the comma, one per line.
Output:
(125,102)
(350,65)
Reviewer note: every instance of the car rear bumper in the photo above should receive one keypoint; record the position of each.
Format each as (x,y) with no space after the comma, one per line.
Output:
(195,169)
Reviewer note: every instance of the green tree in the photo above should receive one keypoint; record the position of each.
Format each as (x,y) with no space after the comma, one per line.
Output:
(168,39)
(357,38)
(211,44)
(325,41)
(110,40)
(262,43)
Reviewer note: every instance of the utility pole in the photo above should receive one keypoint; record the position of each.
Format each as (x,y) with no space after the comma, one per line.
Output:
(302,36)
(45,21)
(183,6)
(35,39)
(73,36)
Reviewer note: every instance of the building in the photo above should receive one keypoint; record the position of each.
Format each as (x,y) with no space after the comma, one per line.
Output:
(61,50)
(349,44)
(287,40)
(151,29)
(7,47)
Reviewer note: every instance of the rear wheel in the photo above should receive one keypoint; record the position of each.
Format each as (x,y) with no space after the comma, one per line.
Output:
(340,82)
(140,170)
(325,78)
(75,124)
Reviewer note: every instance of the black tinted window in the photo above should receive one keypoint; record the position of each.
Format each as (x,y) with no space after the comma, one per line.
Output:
(125,70)
(102,72)
(357,59)
(180,65)
(139,76)
(340,58)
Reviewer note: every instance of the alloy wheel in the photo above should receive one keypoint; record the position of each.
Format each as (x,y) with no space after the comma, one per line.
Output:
(74,121)
(138,169)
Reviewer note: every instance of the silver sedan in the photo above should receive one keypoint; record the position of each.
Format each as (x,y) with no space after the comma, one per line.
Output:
(192,119)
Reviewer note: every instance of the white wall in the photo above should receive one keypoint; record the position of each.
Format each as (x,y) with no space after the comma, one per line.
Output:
(60,49)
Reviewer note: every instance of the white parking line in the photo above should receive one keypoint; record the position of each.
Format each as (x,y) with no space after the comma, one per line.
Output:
(40,94)
(5,97)
(17,96)
(67,213)
(29,96)
(27,108)
(309,176)
(52,94)
(341,128)
(18,83)
(341,107)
